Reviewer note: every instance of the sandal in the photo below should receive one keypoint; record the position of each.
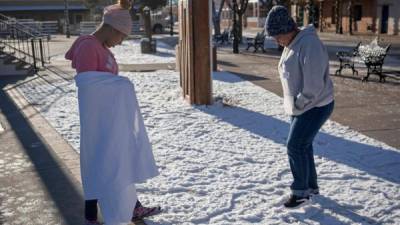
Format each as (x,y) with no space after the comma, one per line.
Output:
(142,212)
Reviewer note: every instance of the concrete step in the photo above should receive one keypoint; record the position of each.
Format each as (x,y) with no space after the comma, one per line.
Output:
(147,67)
(9,59)
(22,65)
(7,56)
(39,171)
(4,55)
(18,69)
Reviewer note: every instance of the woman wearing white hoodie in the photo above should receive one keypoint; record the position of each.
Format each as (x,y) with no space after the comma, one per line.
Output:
(308,97)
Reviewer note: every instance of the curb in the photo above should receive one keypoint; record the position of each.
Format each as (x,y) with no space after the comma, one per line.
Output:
(146,67)
(58,146)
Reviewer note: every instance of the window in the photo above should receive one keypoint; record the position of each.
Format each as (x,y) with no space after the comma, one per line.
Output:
(357,12)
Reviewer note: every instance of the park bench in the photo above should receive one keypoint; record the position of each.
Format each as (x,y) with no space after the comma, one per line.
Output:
(256,42)
(373,57)
(346,59)
(223,37)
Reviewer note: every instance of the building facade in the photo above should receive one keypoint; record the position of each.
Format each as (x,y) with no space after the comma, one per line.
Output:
(45,10)
(388,19)
(344,16)
(367,16)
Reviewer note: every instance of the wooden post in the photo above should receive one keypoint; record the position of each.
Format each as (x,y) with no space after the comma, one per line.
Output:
(147,23)
(147,44)
(195,51)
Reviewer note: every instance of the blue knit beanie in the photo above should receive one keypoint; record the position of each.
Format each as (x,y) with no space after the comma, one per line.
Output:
(279,21)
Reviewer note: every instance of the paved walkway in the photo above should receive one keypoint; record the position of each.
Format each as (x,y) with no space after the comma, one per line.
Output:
(372,108)
(36,183)
(333,37)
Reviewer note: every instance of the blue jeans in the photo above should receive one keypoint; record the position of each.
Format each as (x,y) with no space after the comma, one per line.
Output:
(303,130)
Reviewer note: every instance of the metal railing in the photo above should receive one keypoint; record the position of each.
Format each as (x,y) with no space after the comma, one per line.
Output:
(22,45)
(23,26)
(39,28)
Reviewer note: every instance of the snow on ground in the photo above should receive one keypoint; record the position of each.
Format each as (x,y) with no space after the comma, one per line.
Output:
(124,52)
(227,163)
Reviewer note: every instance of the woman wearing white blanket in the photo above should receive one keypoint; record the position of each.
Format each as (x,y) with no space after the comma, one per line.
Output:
(115,151)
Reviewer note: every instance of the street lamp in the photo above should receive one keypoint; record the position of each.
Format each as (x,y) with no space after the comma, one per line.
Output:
(171,18)
(66,15)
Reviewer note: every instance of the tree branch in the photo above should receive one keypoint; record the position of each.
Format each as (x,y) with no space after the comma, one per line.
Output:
(221,6)
(230,5)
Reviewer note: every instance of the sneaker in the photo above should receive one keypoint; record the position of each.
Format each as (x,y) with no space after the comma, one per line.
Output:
(142,212)
(313,191)
(295,201)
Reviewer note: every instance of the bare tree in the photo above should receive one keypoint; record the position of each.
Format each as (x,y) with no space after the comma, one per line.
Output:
(238,8)
(96,7)
(350,11)
(91,4)
(216,16)
(338,16)
(285,3)
(266,4)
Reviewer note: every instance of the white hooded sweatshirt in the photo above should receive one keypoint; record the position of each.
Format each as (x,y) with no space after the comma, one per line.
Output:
(304,73)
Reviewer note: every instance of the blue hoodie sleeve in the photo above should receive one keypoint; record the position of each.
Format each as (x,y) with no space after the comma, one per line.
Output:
(314,62)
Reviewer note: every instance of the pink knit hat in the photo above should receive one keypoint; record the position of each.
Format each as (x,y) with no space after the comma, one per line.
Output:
(118,18)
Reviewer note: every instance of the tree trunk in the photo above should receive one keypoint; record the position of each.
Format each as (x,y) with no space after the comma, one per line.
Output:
(350,9)
(240,27)
(217,26)
(217,30)
(337,15)
(242,12)
(217,17)
(340,18)
(321,17)
(237,23)
(235,29)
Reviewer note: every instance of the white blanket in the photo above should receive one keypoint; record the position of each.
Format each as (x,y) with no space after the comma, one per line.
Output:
(115,151)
